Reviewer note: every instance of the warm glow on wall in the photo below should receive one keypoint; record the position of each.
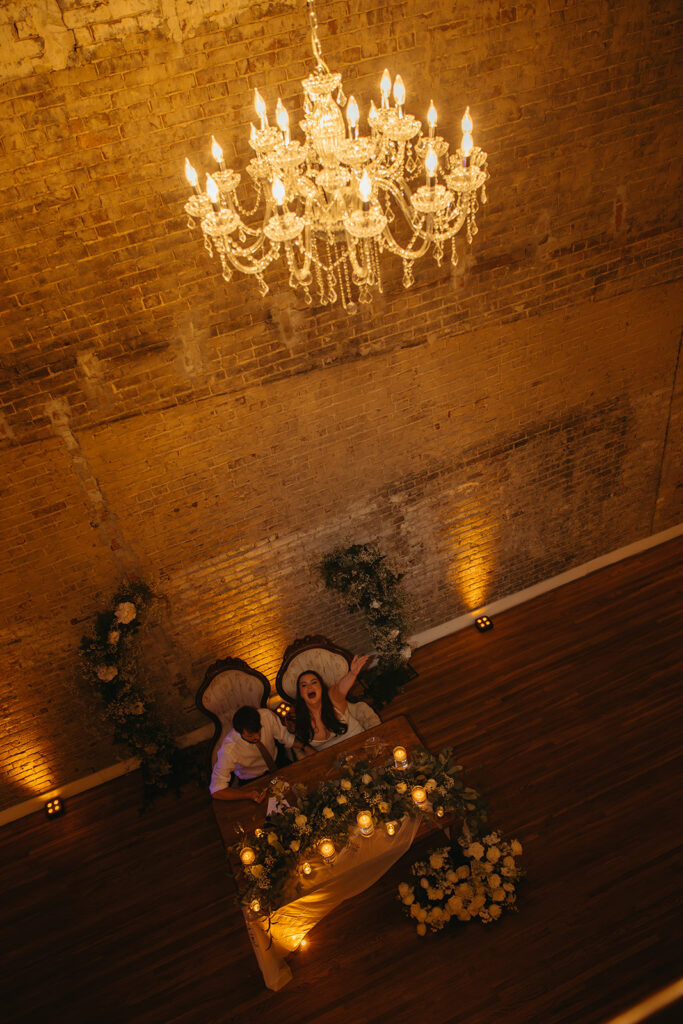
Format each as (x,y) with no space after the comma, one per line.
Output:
(474,557)
(32,770)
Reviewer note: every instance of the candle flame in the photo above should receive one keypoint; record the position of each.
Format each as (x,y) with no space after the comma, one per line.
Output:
(352,114)
(365,187)
(373,111)
(466,123)
(212,189)
(431,162)
(190,173)
(385,84)
(431,115)
(399,91)
(216,150)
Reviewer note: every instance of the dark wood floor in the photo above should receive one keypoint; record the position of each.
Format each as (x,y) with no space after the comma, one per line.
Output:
(568,714)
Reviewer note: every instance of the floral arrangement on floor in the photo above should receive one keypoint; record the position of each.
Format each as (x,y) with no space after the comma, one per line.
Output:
(111,667)
(368,585)
(477,882)
(279,852)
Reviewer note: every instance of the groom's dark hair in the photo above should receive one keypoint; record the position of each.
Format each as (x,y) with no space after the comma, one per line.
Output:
(247,718)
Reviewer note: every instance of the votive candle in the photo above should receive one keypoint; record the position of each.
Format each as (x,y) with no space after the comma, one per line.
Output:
(365,823)
(247,855)
(306,868)
(326,849)
(419,795)
(400,758)
(391,828)
(255,906)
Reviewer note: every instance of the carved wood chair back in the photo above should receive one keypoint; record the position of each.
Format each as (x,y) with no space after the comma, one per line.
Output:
(228,685)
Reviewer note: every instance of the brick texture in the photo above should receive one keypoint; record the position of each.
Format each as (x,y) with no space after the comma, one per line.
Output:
(495,425)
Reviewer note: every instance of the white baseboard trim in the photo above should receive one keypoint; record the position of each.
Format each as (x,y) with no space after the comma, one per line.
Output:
(496,607)
(114,771)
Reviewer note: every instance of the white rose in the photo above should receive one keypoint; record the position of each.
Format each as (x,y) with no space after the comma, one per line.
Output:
(401,787)
(406,653)
(341,799)
(493,854)
(294,845)
(438,894)
(383,807)
(451,876)
(498,895)
(463,871)
(300,820)
(107,672)
(367,779)
(404,889)
(272,838)
(508,886)
(495,911)
(430,785)
(455,904)
(345,784)
(113,637)
(408,899)
(492,839)
(125,612)
(328,812)
(463,915)
(475,850)
(413,910)
(393,634)
(421,914)
(465,891)
(375,605)
(421,929)
(494,881)
(516,847)
(436,861)
(488,866)
(509,862)
(424,883)
(256,870)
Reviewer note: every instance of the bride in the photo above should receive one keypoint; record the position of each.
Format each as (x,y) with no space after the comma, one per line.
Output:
(323,716)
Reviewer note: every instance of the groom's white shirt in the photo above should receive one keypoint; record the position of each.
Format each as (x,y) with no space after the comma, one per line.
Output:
(244,759)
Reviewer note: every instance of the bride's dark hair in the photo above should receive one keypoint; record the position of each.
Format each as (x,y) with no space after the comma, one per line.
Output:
(303,728)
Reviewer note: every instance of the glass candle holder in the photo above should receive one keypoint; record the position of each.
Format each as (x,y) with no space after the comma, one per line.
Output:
(439,812)
(365,823)
(306,868)
(255,906)
(247,856)
(327,850)
(400,758)
(391,828)
(419,795)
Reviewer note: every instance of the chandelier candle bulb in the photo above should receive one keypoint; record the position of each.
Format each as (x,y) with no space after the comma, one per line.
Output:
(400,758)
(259,104)
(192,176)
(282,118)
(217,153)
(385,86)
(419,795)
(431,119)
(467,144)
(247,856)
(278,194)
(352,116)
(365,823)
(213,193)
(399,94)
(365,190)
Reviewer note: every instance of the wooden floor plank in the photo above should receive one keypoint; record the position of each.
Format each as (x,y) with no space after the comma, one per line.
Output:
(568,713)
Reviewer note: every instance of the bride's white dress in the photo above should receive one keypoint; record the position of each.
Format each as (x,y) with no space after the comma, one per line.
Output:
(352,723)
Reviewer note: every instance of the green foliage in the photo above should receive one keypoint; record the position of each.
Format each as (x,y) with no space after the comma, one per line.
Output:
(111,667)
(360,574)
(291,836)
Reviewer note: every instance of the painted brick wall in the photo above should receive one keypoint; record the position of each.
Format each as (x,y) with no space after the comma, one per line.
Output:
(496,424)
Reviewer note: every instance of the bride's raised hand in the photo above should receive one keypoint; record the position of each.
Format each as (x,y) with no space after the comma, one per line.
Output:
(359,661)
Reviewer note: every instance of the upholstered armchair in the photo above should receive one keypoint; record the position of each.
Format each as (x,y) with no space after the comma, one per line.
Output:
(228,684)
(318,654)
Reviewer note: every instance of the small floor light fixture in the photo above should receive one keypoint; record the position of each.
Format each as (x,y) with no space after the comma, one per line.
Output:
(483,623)
(54,808)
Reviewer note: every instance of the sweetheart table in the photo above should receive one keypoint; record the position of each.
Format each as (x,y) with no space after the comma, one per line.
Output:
(358,866)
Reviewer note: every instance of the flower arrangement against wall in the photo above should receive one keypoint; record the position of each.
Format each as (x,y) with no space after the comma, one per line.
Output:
(291,836)
(368,585)
(111,667)
(477,882)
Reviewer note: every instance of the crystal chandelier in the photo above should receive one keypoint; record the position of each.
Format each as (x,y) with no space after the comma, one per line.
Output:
(334,203)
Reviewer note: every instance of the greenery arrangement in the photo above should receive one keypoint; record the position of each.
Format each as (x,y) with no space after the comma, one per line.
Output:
(111,667)
(368,585)
(478,881)
(291,836)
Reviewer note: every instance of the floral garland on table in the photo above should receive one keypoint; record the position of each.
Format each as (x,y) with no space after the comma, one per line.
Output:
(290,838)
(360,574)
(110,659)
(478,883)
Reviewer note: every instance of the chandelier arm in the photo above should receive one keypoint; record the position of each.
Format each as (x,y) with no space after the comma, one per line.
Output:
(315,41)
(390,186)
(407,253)
(302,273)
(360,272)
(257,266)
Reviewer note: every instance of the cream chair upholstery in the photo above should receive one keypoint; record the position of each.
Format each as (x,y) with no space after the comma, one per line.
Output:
(228,685)
(318,654)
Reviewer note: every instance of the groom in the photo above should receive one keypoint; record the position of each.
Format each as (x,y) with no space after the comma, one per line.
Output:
(248,752)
